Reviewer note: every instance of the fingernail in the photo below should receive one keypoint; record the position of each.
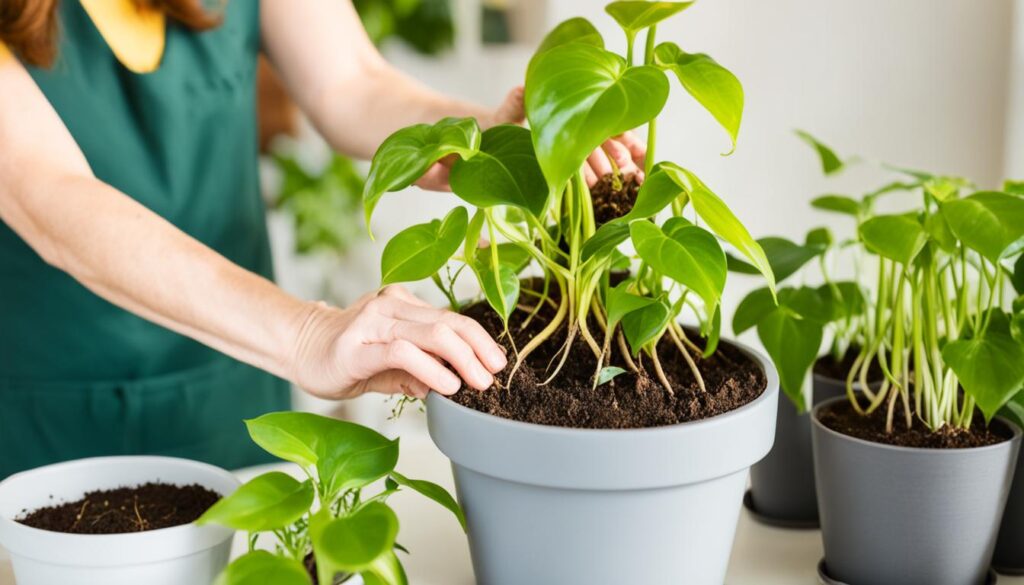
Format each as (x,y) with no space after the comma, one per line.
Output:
(451,384)
(497,360)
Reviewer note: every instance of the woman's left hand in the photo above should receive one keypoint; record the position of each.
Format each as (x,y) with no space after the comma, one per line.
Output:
(626,150)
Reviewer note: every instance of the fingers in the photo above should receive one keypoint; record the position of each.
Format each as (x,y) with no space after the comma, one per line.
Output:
(397,382)
(511,111)
(598,163)
(489,352)
(436,178)
(621,155)
(637,148)
(402,294)
(588,173)
(405,356)
(442,341)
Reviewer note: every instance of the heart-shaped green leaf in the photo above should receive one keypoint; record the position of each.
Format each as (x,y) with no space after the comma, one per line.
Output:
(830,161)
(501,289)
(434,492)
(634,16)
(351,544)
(574,30)
(1013,187)
(419,251)
(647,324)
(609,373)
(720,219)
(793,343)
(267,502)
(712,85)
(346,455)
(819,237)
(577,96)
(405,155)
(691,257)
(262,568)
(844,299)
(605,240)
(990,366)
(657,191)
(504,172)
(619,302)
(754,307)
(838,204)
(784,256)
(386,570)
(896,237)
(938,230)
(988,222)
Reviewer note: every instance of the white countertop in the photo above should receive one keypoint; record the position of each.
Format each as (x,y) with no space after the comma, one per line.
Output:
(440,554)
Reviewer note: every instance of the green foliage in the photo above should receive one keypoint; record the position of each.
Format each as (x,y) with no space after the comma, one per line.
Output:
(349,534)
(830,161)
(896,237)
(419,251)
(635,16)
(504,172)
(574,30)
(785,257)
(425,25)
(838,204)
(609,373)
(987,222)
(646,325)
(990,365)
(712,85)
(691,256)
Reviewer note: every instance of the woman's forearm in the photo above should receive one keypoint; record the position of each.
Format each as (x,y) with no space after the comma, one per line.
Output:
(135,259)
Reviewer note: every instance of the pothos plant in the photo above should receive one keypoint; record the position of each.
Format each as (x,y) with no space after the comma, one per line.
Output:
(326,520)
(943,324)
(792,330)
(531,196)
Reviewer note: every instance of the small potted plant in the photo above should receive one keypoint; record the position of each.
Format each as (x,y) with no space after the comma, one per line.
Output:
(326,528)
(615,447)
(782,489)
(115,521)
(913,475)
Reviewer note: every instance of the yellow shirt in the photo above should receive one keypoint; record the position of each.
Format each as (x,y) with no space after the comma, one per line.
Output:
(135,32)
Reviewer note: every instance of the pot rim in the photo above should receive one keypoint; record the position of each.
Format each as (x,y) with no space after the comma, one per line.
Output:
(1014,429)
(767,368)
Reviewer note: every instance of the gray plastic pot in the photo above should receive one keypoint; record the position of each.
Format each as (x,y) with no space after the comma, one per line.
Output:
(554,506)
(1009,555)
(906,516)
(782,484)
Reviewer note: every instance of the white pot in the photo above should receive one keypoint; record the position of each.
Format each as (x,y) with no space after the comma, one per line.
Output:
(180,555)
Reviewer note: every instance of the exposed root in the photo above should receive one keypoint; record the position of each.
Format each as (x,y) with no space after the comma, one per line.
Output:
(686,356)
(565,355)
(540,338)
(624,350)
(660,372)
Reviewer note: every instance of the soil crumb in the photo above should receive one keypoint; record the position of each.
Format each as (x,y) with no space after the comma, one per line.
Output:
(842,418)
(149,506)
(630,400)
(611,203)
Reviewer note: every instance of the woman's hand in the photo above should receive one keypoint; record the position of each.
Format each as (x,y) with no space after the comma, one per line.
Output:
(626,150)
(393,343)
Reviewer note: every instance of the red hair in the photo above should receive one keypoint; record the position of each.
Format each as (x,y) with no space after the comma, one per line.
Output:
(29,27)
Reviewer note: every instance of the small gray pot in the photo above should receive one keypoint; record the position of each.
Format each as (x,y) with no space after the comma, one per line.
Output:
(905,516)
(782,484)
(551,505)
(1009,555)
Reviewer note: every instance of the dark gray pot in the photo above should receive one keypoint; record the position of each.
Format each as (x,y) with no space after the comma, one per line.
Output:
(782,484)
(1009,556)
(551,505)
(904,516)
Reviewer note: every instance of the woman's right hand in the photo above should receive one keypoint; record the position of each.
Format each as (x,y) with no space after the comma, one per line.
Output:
(393,343)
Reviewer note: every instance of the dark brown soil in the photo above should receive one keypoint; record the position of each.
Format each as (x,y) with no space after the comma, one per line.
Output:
(611,203)
(630,400)
(829,367)
(137,509)
(842,418)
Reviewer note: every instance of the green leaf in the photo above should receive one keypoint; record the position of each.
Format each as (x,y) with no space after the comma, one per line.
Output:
(793,343)
(504,172)
(938,230)
(473,232)
(807,303)
(990,366)
(820,237)
(712,85)
(1014,409)
(608,373)
(434,492)
(988,222)
(1018,275)
(721,220)
(830,162)
(1013,187)
(604,240)
(838,204)
(754,307)
(844,299)
(346,455)
(574,30)
(268,502)
(896,237)
(351,544)
(510,254)
(502,300)
(635,16)
(645,325)
(386,570)
(405,155)
(691,257)
(619,302)
(262,568)
(577,96)
(784,256)
(419,251)
(656,192)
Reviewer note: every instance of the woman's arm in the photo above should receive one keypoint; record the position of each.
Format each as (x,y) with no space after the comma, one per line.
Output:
(132,257)
(356,99)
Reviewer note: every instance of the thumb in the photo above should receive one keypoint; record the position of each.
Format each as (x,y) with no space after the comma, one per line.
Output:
(511,110)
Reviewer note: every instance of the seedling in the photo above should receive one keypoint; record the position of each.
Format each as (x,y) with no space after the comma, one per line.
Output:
(530,195)
(327,519)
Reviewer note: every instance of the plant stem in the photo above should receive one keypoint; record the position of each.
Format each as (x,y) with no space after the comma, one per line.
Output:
(652,126)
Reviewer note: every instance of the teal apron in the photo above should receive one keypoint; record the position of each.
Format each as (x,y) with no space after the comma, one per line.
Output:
(80,377)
